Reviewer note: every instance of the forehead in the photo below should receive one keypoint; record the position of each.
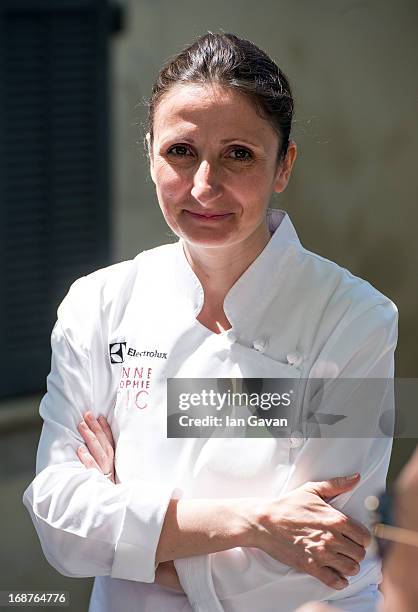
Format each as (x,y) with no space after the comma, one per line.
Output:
(210,109)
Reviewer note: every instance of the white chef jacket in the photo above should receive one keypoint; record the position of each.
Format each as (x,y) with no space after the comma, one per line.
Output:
(121,332)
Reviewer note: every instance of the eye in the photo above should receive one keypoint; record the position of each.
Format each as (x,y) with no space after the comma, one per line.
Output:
(241,154)
(179,151)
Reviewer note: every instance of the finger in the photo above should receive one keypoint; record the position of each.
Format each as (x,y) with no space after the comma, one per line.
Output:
(330,577)
(106,428)
(94,446)
(350,549)
(97,429)
(86,458)
(355,531)
(342,564)
(328,489)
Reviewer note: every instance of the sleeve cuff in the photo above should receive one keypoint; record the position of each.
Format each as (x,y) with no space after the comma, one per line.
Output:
(137,544)
(195,577)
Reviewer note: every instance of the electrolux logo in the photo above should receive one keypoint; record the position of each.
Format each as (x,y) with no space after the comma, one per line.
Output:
(117,352)
(132,352)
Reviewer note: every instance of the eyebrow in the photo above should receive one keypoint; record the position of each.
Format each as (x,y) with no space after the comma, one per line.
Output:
(223,141)
(226,140)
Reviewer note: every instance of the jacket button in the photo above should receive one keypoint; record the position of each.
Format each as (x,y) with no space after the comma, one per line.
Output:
(294,359)
(260,344)
(296,439)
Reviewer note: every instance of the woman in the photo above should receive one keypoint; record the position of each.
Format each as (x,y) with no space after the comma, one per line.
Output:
(244,524)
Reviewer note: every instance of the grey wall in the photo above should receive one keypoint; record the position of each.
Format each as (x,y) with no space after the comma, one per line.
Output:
(352,65)
(352,197)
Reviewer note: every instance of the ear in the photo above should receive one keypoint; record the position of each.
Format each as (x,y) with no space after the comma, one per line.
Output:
(284,169)
(150,155)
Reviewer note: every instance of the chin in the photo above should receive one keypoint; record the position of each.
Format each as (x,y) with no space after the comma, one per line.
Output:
(206,240)
(207,237)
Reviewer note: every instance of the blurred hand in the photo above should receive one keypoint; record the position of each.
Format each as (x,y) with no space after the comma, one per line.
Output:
(400,585)
(407,494)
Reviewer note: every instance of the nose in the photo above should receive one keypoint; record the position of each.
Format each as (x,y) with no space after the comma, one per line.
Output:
(206,185)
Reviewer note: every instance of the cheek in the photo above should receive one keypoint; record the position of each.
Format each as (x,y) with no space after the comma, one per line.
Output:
(170,184)
(253,195)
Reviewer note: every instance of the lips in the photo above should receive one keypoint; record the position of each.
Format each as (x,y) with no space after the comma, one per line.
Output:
(217,215)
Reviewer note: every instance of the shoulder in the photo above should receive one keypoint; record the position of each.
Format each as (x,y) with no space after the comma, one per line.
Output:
(114,281)
(341,292)
(101,297)
(353,322)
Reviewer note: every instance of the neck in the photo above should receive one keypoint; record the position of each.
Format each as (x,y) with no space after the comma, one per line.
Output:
(218,268)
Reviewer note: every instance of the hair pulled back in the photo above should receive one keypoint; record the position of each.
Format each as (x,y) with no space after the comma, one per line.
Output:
(230,61)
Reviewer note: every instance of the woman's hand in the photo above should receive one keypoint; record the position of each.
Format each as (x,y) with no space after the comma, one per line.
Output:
(100,451)
(303,531)
(100,454)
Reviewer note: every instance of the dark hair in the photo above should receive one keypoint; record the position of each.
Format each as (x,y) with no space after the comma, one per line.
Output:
(236,63)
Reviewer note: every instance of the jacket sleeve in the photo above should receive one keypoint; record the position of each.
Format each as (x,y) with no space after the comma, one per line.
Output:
(87,525)
(244,579)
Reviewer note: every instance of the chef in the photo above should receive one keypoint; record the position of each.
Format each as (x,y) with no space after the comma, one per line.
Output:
(241,524)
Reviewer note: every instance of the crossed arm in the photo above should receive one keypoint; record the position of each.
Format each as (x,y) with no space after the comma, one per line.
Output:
(89,526)
(301,529)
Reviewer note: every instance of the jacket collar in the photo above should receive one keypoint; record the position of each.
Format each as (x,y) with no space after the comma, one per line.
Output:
(249,296)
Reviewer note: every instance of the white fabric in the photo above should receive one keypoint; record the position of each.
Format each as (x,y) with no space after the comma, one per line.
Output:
(293,314)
